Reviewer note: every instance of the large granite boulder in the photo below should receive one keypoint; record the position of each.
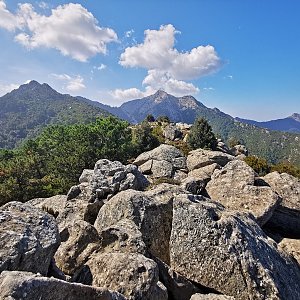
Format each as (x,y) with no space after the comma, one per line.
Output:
(204,173)
(233,186)
(106,180)
(200,158)
(179,288)
(286,218)
(29,238)
(163,152)
(53,205)
(228,252)
(123,236)
(151,212)
(163,161)
(79,240)
(131,274)
(28,286)
(171,132)
(292,247)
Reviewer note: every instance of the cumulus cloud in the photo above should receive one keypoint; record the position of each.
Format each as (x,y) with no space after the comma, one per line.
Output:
(158,52)
(8,20)
(6,88)
(127,94)
(70,28)
(71,84)
(168,68)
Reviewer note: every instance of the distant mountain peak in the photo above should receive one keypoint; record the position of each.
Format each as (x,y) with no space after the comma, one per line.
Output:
(160,96)
(295,116)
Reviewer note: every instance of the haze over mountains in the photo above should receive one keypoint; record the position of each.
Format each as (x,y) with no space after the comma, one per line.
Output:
(24,111)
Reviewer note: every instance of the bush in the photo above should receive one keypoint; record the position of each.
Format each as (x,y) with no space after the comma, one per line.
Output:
(258,164)
(286,167)
(201,135)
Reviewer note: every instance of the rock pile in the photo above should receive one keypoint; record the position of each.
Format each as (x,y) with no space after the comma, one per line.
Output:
(214,231)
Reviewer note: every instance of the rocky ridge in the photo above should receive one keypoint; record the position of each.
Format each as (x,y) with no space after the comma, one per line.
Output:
(166,226)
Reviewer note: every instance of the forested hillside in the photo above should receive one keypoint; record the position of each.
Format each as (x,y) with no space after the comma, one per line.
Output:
(33,106)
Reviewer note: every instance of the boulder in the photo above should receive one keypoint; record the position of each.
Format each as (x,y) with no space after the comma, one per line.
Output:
(292,247)
(53,205)
(163,152)
(151,212)
(204,173)
(200,158)
(286,218)
(171,132)
(193,185)
(233,186)
(29,238)
(28,286)
(161,168)
(211,297)
(221,146)
(228,252)
(78,209)
(124,236)
(131,274)
(239,150)
(79,240)
(179,287)
(107,179)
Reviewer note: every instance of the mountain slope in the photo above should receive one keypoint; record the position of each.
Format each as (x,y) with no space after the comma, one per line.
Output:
(24,111)
(272,145)
(289,124)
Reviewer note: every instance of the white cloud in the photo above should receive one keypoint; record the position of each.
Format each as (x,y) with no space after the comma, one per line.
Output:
(168,68)
(157,79)
(8,20)
(101,67)
(70,28)
(71,84)
(6,88)
(158,52)
(127,94)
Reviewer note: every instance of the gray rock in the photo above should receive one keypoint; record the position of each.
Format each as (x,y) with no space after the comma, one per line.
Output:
(79,240)
(178,286)
(292,247)
(161,168)
(221,146)
(131,274)
(163,152)
(146,167)
(28,286)
(204,173)
(107,179)
(124,236)
(200,158)
(29,238)
(193,185)
(239,150)
(171,132)
(53,205)
(233,186)
(228,252)
(78,209)
(211,297)
(286,218)
(150,211)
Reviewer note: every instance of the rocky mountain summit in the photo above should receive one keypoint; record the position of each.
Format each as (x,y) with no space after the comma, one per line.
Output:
(167,226)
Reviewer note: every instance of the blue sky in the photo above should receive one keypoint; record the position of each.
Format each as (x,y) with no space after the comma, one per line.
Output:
(239,56)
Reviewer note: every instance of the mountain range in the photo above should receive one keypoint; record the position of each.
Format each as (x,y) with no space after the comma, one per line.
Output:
(31,107)
(24,111)
(289,124)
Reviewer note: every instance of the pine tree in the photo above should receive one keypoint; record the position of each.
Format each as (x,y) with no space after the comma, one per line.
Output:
(201,135)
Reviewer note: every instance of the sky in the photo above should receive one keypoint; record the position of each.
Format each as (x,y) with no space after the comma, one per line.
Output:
(242,57)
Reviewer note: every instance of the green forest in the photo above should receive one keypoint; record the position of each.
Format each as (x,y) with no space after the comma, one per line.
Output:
(53,161)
